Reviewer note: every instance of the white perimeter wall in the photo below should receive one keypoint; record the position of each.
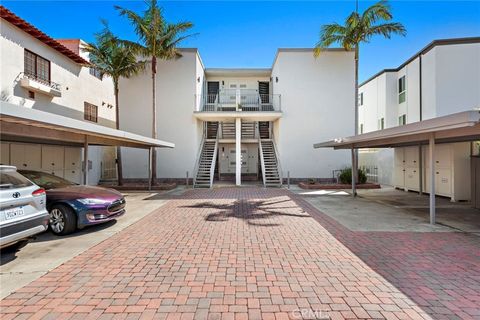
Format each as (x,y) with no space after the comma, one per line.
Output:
(318,104)
(177,85)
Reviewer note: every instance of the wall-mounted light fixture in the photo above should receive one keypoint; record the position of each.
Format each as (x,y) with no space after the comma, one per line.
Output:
(276,79)
(103,103)
(198,79)
(223,83)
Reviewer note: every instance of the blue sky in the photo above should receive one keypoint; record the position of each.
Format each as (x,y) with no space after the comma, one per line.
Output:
(247,34)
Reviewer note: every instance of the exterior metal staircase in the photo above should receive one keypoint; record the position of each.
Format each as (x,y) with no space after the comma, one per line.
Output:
(228,130)
(248,130)
(206,160)
(271,171)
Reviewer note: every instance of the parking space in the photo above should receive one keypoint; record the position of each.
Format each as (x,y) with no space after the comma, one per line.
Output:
(47,251)
(389,209)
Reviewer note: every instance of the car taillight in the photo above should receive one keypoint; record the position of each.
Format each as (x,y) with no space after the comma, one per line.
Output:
(39,192)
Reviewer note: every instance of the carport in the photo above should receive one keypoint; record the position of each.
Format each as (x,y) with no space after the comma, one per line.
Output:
(457,127)
(21,124)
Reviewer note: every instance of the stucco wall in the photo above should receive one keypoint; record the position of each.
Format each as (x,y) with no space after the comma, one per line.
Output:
(317,98)
(78,85)
(176,87)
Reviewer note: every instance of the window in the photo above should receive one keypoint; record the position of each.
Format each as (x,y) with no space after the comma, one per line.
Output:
(90,112)
(360,99)
(381,123)
(402,120)
(401,90)
(96,73)
(31,95)
(36,66)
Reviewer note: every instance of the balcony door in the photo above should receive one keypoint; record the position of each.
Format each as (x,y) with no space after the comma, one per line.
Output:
(212,91)
(264,91)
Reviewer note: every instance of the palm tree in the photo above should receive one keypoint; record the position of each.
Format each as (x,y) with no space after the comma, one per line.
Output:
(157,39)
(112,58)
(375,20)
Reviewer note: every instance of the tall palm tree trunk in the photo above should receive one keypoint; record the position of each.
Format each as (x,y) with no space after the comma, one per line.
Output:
(119,149)
(154,120)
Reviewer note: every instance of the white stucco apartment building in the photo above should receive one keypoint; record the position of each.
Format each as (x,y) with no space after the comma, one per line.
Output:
(50,81)
(441,79)
(243,124)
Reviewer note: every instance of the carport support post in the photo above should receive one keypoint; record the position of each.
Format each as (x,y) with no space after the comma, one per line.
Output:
(85,161)
(431,149)
(354,173)
(150,168)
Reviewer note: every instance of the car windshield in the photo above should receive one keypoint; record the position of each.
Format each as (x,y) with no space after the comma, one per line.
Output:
(10,179)
(46,180)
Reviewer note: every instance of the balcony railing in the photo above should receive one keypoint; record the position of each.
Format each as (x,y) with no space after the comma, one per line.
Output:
(51,84)
(238,100)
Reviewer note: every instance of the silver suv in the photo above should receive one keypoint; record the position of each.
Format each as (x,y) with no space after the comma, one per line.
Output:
(22,207)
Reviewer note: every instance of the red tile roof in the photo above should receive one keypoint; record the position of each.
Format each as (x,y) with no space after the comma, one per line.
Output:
(34,32)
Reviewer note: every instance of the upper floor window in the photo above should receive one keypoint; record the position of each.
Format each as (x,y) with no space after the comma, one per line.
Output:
(36,66)
(381,123)
(90,112)
(96,73)
(402,89)
(360,99)
(402,120)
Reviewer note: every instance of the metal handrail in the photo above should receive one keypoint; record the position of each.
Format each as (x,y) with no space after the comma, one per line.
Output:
(214,161)
(240,100)
(197,162)
(279,166)
(262,160)
(51,84)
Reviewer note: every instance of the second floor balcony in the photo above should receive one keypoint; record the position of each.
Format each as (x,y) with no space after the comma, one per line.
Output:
(40,84)
(238,100)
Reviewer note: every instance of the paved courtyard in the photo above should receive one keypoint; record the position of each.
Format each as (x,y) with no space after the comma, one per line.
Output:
(238,253)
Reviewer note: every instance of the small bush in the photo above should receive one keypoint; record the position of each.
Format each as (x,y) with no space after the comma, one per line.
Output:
(346,176)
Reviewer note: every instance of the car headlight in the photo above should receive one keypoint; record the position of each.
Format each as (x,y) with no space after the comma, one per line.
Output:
(92,201)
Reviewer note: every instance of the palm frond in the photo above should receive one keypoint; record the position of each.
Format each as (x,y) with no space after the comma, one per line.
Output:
(386,30)
(377,12)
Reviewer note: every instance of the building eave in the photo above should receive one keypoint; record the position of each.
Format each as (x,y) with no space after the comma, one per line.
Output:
(25,26)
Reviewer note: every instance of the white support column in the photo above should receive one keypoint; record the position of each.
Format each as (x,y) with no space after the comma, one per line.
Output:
(431,149)
(238,151)
(85,161)
(150,168)
(354,173)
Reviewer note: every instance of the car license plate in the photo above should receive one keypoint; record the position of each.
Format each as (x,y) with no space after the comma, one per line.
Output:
(13,213)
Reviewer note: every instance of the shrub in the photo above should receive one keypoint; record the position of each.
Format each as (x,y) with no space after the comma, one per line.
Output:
(346,176)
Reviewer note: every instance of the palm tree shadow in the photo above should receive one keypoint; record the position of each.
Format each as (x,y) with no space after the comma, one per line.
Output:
(252,211)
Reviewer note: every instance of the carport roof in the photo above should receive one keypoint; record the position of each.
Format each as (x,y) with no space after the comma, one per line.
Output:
(462,126)
(23,124)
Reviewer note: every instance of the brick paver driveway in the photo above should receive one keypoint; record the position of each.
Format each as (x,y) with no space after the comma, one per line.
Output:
(259,254)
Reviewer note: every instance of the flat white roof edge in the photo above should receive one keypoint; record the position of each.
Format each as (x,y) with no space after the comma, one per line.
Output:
(16,111)
(452,121)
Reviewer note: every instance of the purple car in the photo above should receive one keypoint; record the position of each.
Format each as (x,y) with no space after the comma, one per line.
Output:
(72,206)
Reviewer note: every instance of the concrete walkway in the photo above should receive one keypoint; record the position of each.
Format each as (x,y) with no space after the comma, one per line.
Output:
(260,254)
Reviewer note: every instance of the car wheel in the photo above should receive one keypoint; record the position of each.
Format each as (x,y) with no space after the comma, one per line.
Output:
(62,220)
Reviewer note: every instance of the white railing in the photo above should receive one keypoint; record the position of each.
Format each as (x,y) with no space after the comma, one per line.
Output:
(262,160)
(279,166)
(197,162)
(214,161)
(238,100)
